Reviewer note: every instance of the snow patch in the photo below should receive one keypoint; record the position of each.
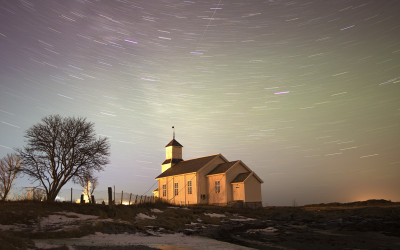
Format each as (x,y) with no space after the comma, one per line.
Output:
(59,221)
(155,210)
(141,216)
(162,241)
(65,218)
(13,227)
(214,215)
(265,230)
(243,219)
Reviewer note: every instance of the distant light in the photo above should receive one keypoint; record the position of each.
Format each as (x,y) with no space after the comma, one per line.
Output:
(283,92)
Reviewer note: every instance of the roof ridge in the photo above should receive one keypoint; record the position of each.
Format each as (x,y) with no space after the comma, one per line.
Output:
(222,168)
(174,142)
(188,166)
(235,162)
(203,157)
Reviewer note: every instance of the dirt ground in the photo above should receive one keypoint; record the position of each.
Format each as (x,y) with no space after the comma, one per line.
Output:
(365,225)
(361,225)
(300,234)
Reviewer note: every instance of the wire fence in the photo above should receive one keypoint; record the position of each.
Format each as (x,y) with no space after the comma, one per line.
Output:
(76,195)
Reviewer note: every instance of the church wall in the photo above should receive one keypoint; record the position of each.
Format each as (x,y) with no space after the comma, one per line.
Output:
(238,192)
(161,182)
(170,189)
(231,174)
(180,198)
(191,198)
(214,197)
(165,167)
(202,184)
(252,189)
(183,197)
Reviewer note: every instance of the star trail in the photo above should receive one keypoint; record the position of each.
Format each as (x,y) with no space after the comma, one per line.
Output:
(306,93)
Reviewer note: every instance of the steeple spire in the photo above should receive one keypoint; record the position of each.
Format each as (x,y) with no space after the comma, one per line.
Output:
(173,153)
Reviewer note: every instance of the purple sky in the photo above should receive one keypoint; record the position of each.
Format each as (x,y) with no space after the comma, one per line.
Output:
(306,93)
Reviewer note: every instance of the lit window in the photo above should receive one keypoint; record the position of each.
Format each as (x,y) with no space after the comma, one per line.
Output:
(189,187)
(217,186)
(176,188)
(164,190)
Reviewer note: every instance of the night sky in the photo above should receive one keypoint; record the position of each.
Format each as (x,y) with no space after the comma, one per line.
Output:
(306,93)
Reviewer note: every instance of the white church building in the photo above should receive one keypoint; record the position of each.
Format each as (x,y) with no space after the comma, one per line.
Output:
(209,179)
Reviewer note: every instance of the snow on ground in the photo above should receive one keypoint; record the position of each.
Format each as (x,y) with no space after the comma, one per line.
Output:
(64,218)
(241,218)
(64,221)
(162,241)
(215,215)
(13,227)
(155,210)
(267,230)
(186,208)
(54,222)
(141,216)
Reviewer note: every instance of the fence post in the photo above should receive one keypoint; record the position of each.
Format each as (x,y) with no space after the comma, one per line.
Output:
(82,199)
(141,199)
(109,196)
(114,195)
(136,199)
(71,195)
(130,197)
(122,196)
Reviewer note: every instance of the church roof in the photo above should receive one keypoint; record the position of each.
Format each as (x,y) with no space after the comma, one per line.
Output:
(174,161)
(222,168)
(188,166)
(241,177)
(174,143)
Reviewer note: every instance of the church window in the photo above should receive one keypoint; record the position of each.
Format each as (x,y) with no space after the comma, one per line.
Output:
(164,190)
(189,187)
(217,186)
(176,188)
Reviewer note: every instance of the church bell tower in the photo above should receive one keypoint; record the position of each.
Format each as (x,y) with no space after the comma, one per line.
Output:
(173,153)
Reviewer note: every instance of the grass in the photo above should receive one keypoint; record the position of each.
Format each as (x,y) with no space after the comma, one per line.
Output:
(9,240)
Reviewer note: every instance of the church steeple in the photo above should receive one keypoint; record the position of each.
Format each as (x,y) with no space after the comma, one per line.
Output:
(173,153)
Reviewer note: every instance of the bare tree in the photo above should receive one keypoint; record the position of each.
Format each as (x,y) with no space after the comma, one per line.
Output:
(89,184)
(10,167)
(60,149)
(95,182)
(34,193)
